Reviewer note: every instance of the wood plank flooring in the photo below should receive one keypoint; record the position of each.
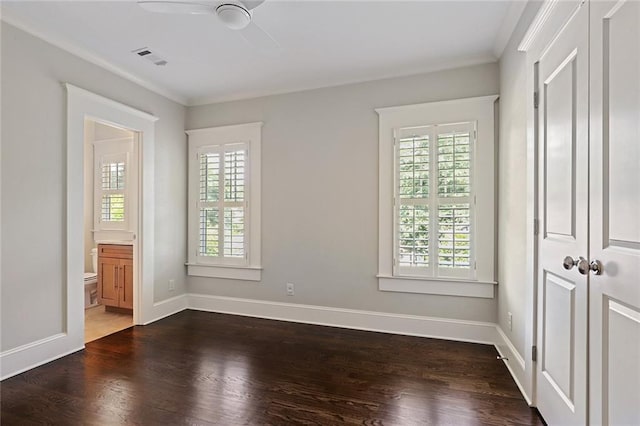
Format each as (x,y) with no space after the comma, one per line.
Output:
(99,323)
(203,368)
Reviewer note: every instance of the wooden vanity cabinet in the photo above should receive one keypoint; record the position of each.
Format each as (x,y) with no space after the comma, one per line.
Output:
(115,276)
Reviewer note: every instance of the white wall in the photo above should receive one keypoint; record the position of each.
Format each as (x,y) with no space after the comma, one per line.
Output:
(513,168)
(33,182)
(320,192)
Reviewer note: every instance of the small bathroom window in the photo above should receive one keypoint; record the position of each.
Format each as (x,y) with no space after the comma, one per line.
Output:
(114,183)
(113,192)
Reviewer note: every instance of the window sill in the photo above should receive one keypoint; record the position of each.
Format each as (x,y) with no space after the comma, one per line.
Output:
(246,273)
(444,287)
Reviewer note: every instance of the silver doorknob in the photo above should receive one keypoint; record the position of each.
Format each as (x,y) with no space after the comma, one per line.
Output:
(582,264)
(569,262)
(596,267)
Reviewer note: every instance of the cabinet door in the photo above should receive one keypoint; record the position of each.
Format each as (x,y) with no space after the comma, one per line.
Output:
(125,282)
(108,271)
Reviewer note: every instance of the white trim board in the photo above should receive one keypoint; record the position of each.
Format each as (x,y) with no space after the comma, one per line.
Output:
(26,357)
(34,354)
(513,360)
(82,105)
(477,110)
(452,287)
(167,308)
(409,325)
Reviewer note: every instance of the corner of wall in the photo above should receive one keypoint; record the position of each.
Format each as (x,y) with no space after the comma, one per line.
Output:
(515,363)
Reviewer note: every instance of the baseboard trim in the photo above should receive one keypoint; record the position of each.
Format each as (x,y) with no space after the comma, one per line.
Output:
(515,362)
(167,308)
(23,358)
(410,325)
(31,355)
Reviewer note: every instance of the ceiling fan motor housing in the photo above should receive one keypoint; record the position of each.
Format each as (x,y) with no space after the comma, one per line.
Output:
(235,16)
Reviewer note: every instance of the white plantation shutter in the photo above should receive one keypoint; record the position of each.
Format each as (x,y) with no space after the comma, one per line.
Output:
(433,189)
(222,204)
(413,154)
(110,192)
(113,181)
(454,199)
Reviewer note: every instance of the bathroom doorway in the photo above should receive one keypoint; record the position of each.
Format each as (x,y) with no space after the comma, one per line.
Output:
(83,105)
(111,182)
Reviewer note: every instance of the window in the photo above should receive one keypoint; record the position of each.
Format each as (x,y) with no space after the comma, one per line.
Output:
(434,201)
(224,214)
(113,192)
(437,198)
(222,204)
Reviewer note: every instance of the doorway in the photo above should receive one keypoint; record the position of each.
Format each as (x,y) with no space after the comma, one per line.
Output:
(83,105)
(110,222)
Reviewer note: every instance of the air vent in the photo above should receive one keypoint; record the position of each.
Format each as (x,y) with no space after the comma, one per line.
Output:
(149,55)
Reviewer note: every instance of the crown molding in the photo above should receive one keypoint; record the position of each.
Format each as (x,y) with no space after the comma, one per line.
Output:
(536,25)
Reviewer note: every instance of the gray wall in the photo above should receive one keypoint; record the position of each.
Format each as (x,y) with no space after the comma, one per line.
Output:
(512,165)
(320,192)
(34,183)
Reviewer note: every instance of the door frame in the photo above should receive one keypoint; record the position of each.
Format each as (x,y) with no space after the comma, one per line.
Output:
(81,105)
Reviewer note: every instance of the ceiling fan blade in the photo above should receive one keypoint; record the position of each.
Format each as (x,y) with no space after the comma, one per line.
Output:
(261,40)
(251,4)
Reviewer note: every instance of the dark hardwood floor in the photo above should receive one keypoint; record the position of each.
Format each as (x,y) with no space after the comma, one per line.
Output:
(204,368)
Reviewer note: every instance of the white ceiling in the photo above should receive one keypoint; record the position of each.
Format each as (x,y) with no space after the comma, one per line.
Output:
(325,43)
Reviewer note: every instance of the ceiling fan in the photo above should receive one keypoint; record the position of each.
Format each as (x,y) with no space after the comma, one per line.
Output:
(234,14)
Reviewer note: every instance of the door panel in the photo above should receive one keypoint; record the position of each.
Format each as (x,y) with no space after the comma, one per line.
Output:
(614,331)
(108,281)
(126,286)
(559,118)
(621,38)
(563,87)
(622,362)
(557,335)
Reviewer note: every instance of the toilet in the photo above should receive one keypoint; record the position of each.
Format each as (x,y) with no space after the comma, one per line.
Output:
(91,282)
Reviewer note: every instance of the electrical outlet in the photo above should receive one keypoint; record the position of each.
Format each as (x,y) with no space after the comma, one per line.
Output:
(510,319)
(290,289)
(172,285)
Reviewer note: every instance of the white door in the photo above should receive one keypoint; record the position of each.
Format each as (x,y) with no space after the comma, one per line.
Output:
(563,114)
(615,213)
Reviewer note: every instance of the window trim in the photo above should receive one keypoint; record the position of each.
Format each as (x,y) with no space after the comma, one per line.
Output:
(481,111)
(107,151)
(212,139)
